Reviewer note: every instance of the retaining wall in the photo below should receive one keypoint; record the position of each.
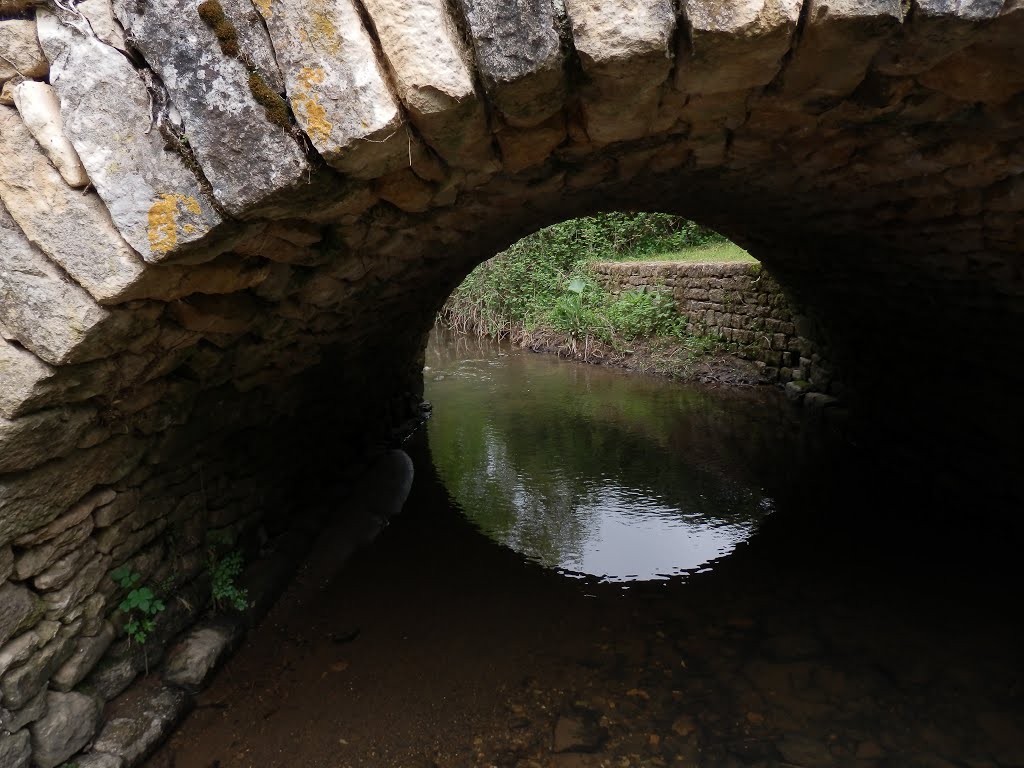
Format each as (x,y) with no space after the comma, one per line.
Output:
(741,305)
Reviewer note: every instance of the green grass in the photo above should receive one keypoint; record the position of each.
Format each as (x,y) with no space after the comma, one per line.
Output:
(543,284)
(713,253)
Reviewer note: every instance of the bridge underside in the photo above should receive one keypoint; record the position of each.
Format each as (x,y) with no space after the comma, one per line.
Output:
(226,228)
(187,254)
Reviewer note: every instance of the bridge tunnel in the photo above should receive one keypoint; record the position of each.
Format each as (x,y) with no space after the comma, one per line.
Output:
(226,230)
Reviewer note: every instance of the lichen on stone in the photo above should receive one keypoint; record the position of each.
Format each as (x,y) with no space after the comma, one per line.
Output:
(317,125)
(212,14)
(162,226)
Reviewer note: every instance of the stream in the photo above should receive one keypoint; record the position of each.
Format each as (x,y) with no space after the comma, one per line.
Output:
(601,569)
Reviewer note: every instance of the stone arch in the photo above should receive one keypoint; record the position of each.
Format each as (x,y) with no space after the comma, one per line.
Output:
(323,174)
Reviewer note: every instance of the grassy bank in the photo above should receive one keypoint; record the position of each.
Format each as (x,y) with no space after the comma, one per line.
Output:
(541,294)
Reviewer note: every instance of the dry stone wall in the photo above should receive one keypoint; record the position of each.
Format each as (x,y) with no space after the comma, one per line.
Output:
(225,228)
(741,305)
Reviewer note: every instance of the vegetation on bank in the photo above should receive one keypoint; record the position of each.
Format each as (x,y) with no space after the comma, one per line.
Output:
(541,293)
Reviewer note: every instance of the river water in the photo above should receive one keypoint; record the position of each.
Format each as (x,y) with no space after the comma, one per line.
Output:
(602,569)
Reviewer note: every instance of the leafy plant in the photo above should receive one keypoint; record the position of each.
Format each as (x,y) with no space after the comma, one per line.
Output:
(140,605)
(636,314)
(224,589)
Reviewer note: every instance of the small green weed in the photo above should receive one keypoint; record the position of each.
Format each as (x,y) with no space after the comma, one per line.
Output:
(225,591)
(140,606)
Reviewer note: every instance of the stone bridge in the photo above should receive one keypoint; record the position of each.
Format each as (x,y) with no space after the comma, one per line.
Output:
(226,228)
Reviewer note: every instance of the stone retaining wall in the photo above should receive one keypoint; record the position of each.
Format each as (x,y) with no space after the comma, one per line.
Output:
(741,305)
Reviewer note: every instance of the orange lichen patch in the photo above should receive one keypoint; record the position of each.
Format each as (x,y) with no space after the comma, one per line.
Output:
(162,226)
(321,30)
(318,127)
(264,8)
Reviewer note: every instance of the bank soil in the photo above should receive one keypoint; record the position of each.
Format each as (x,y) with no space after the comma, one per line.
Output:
(675,359)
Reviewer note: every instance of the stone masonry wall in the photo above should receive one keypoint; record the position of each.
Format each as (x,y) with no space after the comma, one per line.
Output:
(744,306)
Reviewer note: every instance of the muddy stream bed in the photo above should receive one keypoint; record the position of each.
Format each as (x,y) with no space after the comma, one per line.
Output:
(601,569)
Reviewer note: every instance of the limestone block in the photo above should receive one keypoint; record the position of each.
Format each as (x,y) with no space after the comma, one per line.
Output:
(20,649)
(33,499)
(429,61)
(21,684)
(15,749)
(6,563)
(69,725)
(63,569)
(30,384)
(75,591)
(989,70)
(245,154)
(100,14)
(78,513)
(40,110)
(71,228)
(52,316)
(15,720)
(626,50)
(735,45)
(523,148)
(17,606)
(934,31)
(39,437)
(115,673)
(518,53)
(155,200)
(253,40)
(122,505)
(337,88)
(192,661)
(836,47)
(36,559)
(140,721)
(405,190)
(88,651)
(99,760)
(230,314)
(91,611)
(22,55)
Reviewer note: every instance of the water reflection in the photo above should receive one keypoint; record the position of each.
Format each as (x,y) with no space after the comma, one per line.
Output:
(596,472)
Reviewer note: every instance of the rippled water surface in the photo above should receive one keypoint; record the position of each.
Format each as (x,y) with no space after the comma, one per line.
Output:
(594,471)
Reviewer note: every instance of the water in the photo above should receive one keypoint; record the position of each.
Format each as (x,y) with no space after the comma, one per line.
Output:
(596,472)
(859,622)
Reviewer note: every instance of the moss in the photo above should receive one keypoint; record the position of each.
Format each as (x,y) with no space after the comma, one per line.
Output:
(212,14)
(273,105)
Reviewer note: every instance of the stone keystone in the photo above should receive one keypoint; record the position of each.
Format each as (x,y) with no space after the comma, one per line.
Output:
(434,81)
(625,47)
(336,86)
(519,55)
(735,46)
(838,43)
